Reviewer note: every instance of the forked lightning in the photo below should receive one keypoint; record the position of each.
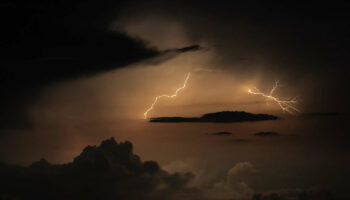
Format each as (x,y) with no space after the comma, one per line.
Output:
(286,105)
(166,96)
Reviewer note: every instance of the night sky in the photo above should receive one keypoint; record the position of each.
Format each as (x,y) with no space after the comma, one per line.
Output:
(77,78)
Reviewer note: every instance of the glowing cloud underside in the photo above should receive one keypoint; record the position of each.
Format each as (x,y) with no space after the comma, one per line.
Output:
(286,105)
(167,96)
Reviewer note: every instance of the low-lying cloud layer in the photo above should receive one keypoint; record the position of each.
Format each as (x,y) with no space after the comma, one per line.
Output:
(238,184)
(108,171)
(112,171)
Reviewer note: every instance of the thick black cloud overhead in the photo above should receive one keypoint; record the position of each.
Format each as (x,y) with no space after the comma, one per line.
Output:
(45,42)
(108,171)
(48,41)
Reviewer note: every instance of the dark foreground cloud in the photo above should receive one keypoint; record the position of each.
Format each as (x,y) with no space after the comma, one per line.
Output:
(296,194)
(108,171)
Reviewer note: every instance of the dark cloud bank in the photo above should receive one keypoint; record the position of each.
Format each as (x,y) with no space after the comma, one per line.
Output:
(299,43)
(296,195)
(112,171)
(108,171)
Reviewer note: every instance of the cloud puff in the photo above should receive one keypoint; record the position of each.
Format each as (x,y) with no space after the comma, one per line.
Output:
(201,176)
(108,171)
(234,186)
(206,185)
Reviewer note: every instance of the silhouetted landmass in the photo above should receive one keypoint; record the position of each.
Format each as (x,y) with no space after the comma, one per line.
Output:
(219,117)
(222,133)
(108,171)
(266,134)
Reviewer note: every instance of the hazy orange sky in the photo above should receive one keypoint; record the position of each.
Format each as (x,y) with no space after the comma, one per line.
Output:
(77,74)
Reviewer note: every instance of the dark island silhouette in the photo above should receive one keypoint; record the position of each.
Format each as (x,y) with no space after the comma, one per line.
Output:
(222,133)
(218,117)
(268,133)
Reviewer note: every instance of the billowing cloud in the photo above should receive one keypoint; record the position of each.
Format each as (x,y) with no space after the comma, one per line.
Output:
(238,184)
(234,186)
(107,171)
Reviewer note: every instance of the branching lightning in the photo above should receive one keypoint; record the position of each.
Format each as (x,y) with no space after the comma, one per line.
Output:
(167,96)
(286,105)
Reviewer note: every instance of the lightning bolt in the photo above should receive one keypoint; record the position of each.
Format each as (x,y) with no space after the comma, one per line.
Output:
(286,105)
(167,96)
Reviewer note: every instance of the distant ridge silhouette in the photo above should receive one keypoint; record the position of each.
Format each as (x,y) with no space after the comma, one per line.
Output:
(222,133)
(218,117)
(268,133)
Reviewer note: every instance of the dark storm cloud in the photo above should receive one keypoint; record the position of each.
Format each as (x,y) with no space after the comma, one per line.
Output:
(48,41)
(171,53)
(308,32)
(108,171)
(300,43)
(189,48)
